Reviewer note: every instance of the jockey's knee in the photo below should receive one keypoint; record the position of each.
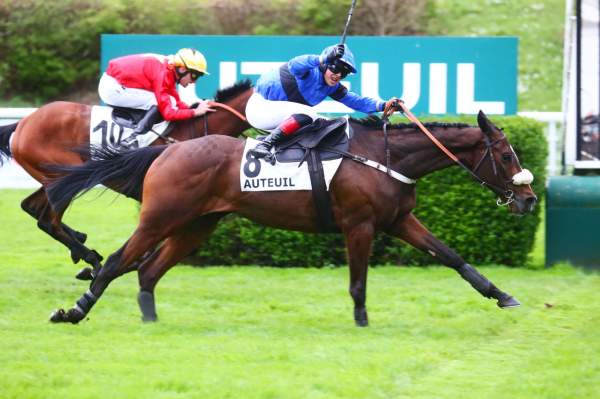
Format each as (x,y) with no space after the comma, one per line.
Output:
(294,123)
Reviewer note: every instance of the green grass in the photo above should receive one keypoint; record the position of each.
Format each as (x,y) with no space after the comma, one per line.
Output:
(539,25)
(256,332)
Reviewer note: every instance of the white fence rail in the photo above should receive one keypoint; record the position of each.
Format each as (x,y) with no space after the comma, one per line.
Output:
(13,176)
(555,134)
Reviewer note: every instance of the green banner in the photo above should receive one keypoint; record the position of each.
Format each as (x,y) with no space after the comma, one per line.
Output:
(433,75)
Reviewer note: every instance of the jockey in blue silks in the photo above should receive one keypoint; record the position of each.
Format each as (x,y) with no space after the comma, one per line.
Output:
(284,98)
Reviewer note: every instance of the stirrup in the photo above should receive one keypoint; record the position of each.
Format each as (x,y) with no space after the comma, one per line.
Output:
(129,143)
(261,150)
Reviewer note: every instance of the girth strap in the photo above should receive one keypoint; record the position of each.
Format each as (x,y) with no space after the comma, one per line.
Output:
(320,195)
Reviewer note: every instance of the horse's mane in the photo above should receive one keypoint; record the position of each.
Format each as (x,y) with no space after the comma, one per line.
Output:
(376,122)
(229,92)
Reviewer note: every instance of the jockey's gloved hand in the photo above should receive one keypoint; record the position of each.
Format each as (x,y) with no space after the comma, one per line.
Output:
(335,53)
(392,105)
(393,102)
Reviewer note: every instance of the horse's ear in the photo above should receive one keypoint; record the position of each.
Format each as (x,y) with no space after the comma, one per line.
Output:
(484,123)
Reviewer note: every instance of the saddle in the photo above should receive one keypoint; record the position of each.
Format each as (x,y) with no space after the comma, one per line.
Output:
(131,117)
(127,117)
(322,136)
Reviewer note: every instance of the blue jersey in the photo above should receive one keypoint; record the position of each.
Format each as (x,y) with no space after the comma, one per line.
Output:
(301,81)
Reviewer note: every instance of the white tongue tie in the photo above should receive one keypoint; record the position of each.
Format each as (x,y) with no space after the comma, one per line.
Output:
(523,177)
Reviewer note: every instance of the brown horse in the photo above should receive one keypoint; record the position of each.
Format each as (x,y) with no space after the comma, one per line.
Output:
(49,135)
(190,186)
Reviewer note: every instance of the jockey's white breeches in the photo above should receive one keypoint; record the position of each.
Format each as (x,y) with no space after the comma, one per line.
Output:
(113,93)
(267,115)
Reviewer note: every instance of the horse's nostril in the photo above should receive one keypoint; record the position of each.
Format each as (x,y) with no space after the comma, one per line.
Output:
(530,202)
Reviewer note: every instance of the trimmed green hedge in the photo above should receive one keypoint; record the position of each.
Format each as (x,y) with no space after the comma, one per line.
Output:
(454,207)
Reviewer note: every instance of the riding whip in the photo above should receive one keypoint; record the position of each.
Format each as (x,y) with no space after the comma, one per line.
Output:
(348,21)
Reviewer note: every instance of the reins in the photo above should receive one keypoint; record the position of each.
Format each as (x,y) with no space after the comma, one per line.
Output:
(389,110)
(226,107)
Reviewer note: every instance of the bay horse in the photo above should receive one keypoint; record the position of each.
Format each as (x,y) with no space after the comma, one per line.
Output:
(50,134)
(188,187)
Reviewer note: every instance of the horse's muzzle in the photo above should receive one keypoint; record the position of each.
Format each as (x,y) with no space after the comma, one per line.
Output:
(522,205)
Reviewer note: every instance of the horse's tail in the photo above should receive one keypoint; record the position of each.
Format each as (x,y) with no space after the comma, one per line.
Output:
(5,133)
(123,171)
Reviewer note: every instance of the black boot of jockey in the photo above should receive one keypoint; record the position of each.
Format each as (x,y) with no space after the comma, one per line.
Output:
(151,117)
(285,129)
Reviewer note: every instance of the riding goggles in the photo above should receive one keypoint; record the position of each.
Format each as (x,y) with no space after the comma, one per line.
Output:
(195,75)
(340,68)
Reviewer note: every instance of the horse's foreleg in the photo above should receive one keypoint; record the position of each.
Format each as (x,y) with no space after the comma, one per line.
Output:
(175,248)
(116,264)
(358,243)
(49,222)
(409,229)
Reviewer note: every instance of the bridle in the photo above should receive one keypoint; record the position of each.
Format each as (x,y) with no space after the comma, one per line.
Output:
(522,178)
(508,194)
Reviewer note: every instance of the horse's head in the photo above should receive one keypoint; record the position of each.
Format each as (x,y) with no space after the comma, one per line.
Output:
(498,167)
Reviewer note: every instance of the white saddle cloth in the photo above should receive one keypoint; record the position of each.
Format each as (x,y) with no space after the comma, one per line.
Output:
(104,132)
(260,175)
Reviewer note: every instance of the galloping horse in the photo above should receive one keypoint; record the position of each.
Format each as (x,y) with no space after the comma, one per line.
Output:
(190,186)
(49,135)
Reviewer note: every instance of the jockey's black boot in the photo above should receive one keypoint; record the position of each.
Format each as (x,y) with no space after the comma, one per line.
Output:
(286,128)
(263,148)
(151,117)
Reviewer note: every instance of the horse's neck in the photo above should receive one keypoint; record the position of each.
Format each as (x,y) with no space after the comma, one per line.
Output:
(221,121)
(428,157)
(414,154)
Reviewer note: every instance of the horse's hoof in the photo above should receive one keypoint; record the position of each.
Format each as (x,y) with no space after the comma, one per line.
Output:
(508,301)
(58,316)
(74,316)
(85,274)
(93,258)
(360,317)
(147,306)
(362,323)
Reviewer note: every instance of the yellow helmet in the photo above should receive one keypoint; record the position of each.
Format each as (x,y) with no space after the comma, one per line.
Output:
(190,59)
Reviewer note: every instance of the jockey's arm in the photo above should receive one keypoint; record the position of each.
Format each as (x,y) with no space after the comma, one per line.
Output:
(367,105)
(170,113)
(300,65)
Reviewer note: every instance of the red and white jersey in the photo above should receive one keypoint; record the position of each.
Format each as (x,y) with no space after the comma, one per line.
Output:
(151,72)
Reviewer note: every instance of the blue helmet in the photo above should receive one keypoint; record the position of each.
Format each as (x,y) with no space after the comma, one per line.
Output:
(347,58)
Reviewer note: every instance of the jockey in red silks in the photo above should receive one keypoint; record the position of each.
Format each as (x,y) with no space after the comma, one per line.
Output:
(284,98)
(149,82)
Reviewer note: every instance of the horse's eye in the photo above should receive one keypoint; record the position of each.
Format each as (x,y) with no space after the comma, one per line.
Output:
(506,157)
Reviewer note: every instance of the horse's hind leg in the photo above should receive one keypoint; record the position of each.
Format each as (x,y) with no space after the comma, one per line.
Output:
(179,245)
(409,229)
(358,243)
(38,207)
(35,204)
